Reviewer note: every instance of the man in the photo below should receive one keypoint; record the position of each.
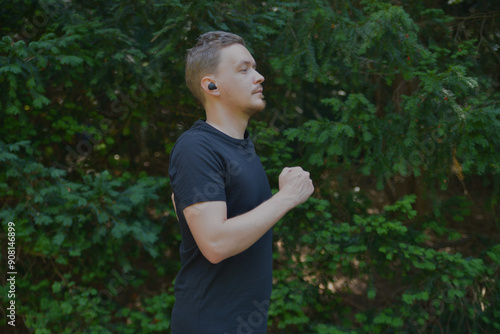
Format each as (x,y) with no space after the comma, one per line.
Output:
(222,197)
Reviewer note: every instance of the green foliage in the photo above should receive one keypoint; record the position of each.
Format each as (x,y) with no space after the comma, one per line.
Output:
(379,255)
(90,233)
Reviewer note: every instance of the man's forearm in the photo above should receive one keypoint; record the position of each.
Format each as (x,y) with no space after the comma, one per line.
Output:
(241,232)
(219,238)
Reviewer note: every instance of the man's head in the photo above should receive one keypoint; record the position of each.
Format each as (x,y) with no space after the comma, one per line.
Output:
(204,58)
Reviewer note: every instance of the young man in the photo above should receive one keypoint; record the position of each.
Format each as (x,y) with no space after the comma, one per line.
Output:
(222,197)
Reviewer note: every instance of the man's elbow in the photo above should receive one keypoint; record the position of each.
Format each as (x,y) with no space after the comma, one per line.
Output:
(214,259)
(214,254)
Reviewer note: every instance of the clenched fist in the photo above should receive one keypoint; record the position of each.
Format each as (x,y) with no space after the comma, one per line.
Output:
(295,185)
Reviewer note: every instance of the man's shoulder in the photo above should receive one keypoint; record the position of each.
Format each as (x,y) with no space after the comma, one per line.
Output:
(194,138)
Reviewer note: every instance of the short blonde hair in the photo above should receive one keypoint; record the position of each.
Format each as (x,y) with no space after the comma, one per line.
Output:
(203,59)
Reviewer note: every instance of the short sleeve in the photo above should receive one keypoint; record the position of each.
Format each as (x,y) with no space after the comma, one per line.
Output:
(196,172)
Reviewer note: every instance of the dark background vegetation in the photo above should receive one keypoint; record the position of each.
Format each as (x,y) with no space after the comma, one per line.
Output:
(391,105)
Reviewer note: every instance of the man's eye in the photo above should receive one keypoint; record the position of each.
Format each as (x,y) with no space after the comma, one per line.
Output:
(243,70)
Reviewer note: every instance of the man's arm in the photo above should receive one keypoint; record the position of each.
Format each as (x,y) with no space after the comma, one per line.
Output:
(219,238)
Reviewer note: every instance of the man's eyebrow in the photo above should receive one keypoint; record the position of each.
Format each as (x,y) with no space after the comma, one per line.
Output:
(248,63)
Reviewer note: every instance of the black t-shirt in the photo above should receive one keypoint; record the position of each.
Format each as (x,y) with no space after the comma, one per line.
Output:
(232,296)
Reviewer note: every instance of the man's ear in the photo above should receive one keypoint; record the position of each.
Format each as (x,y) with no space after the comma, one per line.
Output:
(209,85)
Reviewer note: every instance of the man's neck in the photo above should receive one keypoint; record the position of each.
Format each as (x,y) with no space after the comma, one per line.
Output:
(229,124)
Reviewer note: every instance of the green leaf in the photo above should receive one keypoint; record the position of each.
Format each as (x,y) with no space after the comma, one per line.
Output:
(71,60)
(40,101)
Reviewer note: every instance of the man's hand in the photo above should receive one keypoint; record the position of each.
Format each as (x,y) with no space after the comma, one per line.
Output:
(295,185)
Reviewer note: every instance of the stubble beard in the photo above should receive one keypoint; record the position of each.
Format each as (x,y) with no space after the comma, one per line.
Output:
(255,109)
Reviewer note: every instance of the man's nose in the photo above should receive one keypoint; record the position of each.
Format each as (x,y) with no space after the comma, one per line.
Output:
(259,78)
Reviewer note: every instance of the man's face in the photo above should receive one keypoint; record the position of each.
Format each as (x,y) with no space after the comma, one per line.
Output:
(238,82)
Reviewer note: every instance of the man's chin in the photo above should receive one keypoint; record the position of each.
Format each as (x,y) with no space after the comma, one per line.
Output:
(262,106)
(257,108)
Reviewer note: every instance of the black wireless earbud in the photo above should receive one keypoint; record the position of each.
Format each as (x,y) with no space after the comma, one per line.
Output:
(212,86)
